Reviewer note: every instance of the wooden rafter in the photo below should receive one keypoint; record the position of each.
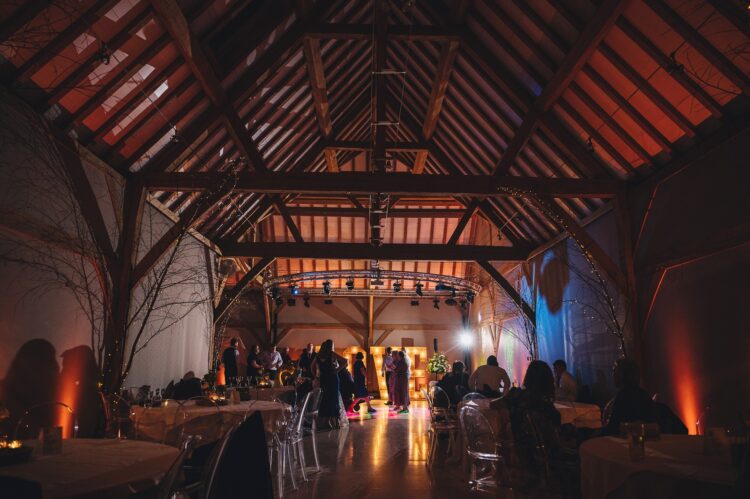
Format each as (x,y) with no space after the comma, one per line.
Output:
(470,210)
(364,32)
(509,289)
(398,184)
(364,212)
(363,251)
(355,145)
(230,296)
(596,29)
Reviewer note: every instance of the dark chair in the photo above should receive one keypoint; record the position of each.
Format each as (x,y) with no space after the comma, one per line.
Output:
(238,466)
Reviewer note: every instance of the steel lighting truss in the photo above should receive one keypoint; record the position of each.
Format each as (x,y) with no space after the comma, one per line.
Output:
(451,286)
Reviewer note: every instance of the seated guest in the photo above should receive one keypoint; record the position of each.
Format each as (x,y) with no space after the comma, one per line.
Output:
(189,386)
(455,383)
(534,404)
(254,365)
(566,387)
(305,361)
(490,380)
(630,403)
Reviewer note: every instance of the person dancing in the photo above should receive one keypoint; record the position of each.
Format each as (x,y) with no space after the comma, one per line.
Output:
(326,367)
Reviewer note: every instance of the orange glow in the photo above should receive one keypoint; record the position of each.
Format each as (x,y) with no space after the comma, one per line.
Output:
(687,389)
(68,394)
(220,377)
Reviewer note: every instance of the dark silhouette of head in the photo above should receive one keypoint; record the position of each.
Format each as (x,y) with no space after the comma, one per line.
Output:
(626,374)
(492,361)
(401,354)
(458,367)
(326,348)
(233,342)
(360,356)
(539,380)
(388,350)
(559,366)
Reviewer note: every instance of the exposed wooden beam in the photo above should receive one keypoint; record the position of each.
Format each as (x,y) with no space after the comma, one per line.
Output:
(470,210)
(84,194)
(398,184)
(439,87)
(331,161)
(230,296)
(598,255)
(701,44)
(363,251)
(355,145)
(24,15)
(188,219)
(363,212)
(370,322)
(509,289)
(364,32)
(314,59)
(173,20)
(596,29)
(279,203)
(419,162)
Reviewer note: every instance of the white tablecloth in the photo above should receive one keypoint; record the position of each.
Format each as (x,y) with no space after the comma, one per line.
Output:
(279,392)
(581,415)
(95,467)
(168,424)
(606,467)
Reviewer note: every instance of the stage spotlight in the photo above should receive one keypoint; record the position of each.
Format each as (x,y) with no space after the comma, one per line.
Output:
(450,301)
(328,301)
(470,296)
(436,304)
(274,292)
(350,284)
(279,301)
(418,289)
(293,289)
(414,303)
(306,300)
(440,287)
(291,302)
(396,287)
(466,339)
(327,288)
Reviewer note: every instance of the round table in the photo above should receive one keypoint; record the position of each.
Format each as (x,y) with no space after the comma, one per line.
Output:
(270,393)
(672,464)
(95,467)
(168,423)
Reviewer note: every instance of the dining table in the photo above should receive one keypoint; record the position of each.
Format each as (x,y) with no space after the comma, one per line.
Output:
(283,393)
(672,466)
(94,468)
(172,420)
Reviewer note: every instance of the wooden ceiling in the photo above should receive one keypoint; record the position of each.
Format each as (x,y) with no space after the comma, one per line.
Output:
(527,116)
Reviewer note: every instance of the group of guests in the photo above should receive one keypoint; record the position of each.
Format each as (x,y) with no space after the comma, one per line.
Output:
(258,361)
(533,403)
(397,371)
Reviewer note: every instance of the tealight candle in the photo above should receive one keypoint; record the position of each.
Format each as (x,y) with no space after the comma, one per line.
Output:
(14,444)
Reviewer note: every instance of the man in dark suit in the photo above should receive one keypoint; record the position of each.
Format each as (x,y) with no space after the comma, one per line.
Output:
(229,359)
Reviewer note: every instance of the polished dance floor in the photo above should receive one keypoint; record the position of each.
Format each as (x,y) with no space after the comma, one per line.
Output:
(382,456)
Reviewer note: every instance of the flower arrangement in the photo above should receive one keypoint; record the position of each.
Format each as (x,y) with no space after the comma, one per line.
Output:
(438,364)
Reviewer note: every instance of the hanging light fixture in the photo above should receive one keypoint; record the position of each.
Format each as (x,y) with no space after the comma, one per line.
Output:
(350,284)
(418,288)
(327,288)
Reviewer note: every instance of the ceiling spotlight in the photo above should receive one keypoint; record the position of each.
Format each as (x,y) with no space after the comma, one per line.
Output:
(414,303)
(470,296)
(327,288)
(274,292)
(450,301)
(291,302)
(306,300)
(441,287)
(350,284)
(328,301)
(396,287)
(279,301)
(436,304)
(293,289)
(418,289)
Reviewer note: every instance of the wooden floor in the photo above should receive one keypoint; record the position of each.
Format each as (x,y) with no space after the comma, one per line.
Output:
(383,457)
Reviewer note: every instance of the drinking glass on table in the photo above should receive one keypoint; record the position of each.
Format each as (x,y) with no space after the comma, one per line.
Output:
(637,442)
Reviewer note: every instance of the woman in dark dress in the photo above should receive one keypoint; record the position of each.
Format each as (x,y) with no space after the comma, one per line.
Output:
(360,383)
(325,367)
(401,385)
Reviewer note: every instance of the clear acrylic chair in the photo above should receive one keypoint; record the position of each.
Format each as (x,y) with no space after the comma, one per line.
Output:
(168,485)
(442,423)
(42,415)
(481,447)
(426,397)
(473,396)
(311,418)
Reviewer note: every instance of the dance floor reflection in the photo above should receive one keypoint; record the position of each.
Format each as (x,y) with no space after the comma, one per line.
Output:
(382,455)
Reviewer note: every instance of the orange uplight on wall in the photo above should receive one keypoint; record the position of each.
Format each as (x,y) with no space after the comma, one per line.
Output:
(686,385)
(220,376)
